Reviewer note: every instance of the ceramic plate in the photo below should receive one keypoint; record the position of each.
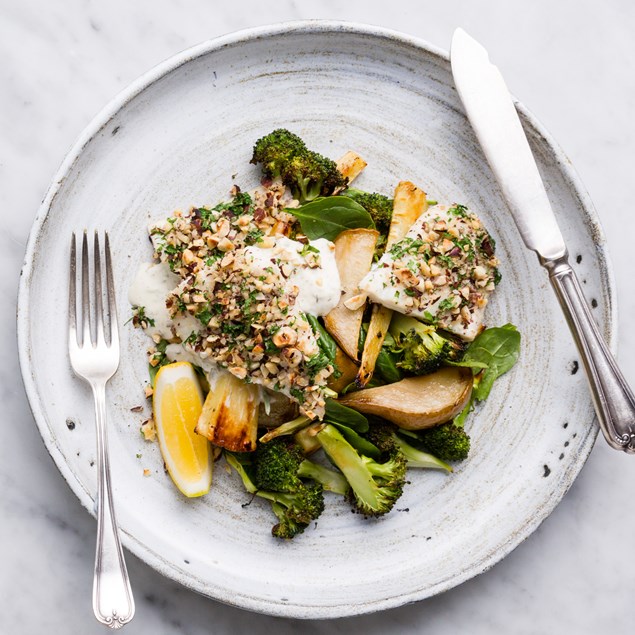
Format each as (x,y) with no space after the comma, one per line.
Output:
(182,136)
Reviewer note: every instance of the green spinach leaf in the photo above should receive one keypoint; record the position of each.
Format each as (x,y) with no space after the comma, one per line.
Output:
(497,349)
(364,446)
(325,341)
(343,415)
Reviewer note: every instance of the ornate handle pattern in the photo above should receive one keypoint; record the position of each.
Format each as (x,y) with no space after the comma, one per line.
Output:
(113,603)
(613,399)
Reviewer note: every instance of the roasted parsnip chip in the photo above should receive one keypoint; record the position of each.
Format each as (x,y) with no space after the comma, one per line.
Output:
(229,418)
(354,249)
(409,203)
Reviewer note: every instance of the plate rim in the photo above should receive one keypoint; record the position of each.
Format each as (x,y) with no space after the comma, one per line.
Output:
(97,124)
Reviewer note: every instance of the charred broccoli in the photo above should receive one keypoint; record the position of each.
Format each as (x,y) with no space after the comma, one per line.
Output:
(275,150)
(448,441)
(295,510)
(377,205)
(422,350)
(280,465)
(375,486)
(386,437)
(308,174)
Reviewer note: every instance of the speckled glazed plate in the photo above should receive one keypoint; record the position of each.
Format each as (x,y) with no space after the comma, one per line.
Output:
(182,135)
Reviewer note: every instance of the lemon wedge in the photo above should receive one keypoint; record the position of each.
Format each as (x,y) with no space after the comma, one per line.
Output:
(177,402)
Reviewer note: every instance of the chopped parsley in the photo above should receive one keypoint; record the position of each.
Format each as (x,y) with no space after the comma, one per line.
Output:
(316,363)
(405,246)
(446,261)
(139,317)
(446,304)
(308,249)
(158,359)
(254,236)
(296,393)
(459,210)
(204,315)
(428,317)
(213,256)
(241,204)
(191,338)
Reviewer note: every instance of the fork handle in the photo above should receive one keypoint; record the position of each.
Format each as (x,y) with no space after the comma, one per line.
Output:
(113,603)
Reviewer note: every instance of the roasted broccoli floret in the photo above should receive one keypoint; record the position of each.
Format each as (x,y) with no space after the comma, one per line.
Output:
(448,441)
(422,349)
(377,205)
(280,466)
(295,510)
(308,174)
(386,437)
(375,486)
(275,150)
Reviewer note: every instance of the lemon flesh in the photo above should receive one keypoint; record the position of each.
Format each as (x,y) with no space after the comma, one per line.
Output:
(177,403)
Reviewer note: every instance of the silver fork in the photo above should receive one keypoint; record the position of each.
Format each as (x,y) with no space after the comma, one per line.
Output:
(95,359)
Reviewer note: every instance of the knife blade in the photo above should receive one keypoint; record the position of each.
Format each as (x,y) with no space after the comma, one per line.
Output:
(493,116)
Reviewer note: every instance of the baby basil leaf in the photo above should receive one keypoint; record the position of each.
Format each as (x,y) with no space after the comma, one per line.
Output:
(330,216)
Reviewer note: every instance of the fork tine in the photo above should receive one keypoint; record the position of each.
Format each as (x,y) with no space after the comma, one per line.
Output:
(72,302)
(86,336)
(112,306)
(99,318)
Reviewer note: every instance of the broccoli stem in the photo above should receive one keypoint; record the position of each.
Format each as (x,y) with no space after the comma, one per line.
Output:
(238,466)
(352,466)
(331,481)
(416,458)
(290,427)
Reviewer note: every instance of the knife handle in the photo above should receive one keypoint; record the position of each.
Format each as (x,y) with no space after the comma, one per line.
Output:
(613,399)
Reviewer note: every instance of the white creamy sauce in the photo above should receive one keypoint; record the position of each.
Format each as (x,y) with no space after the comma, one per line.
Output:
(320,287)
(149,289)
(320,292)
(179,353)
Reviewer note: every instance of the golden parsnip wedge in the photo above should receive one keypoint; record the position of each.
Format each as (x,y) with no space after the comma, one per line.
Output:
(354,249)
(230,414)
(351,165)
(415,403)
(377,329)
(347,367)
(409,203)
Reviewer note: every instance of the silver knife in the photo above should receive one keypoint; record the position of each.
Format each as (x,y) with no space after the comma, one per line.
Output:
(493,116)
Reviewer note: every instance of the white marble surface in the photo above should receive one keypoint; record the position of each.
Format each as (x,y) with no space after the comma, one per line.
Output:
(573,65)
